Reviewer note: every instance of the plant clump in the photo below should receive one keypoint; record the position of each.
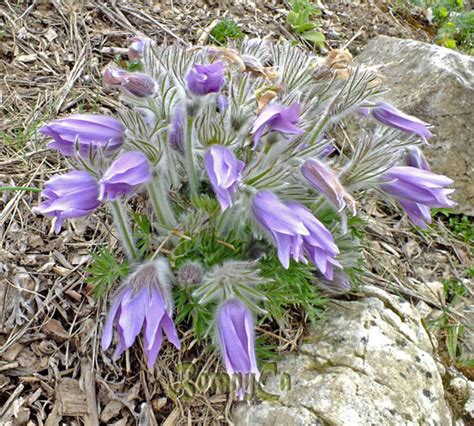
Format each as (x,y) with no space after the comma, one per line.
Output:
(253,203)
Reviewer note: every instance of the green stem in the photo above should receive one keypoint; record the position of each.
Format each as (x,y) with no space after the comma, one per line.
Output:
(189,158)
(160,203)
(320,126)
(123,228)
(19,188)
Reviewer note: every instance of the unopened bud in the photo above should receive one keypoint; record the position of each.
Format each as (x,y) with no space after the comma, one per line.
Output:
(190,274)
(136,83)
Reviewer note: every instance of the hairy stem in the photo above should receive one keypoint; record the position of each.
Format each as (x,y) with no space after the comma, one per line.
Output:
(123,228)
(189,158)
(160,203)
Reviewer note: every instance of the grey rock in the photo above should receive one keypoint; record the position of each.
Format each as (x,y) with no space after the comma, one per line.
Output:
(436,85)
(370,362)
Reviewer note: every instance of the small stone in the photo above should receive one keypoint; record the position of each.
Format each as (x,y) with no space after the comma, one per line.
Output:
(459,386)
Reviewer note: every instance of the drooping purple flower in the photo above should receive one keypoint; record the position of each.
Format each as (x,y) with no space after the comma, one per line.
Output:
(176,131)
(224,171)
(417,191)
(415,158)
(129,171)
(277,118)
(138,45)
(136,83)
(86,132)
(296,232)
(205,79)
(74,194)
(235,328)
(319,245)
(391,116)
(284,226)
(324,180)
(145,302)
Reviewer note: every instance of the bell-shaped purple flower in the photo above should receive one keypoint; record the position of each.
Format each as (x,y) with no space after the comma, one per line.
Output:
(324,180)
(125,175)
(86,132)
(284,226)
(415,158)
(417,191)
(224,171)
(74,194)
(319,245)
(144,303)
(235,328)
(391,116)
(277,118)
(136,83)
(205,79)
(296,232)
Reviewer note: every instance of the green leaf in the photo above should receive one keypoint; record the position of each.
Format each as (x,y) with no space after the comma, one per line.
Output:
(315,37)
(301,28)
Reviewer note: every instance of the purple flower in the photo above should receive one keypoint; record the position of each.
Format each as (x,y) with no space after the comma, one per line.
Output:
(74,194)
(124,175)
(176,131)
(138,45)
(296,232)
(415,158)
(284,226)
(391,116)
(222,103)
(236,334)
(224,170)
(136,83)
(277,118)
(85,131)
(324,180)
(319,245)
(417,190)
(145,303)
(205,79)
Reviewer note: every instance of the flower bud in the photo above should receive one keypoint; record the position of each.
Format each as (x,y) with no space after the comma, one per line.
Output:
(415,158)
(324,180)
(339,283)
(136,83)
(190,274)
(138,45)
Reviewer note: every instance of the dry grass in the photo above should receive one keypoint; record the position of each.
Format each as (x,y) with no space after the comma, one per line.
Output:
(51,367)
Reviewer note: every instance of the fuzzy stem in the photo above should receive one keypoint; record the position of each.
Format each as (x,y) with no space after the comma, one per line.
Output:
(160,203)
(123,227)
(19,188)
(189,157)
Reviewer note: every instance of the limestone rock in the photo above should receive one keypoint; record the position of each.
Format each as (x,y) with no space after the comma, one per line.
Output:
(370,362)
(436,85)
